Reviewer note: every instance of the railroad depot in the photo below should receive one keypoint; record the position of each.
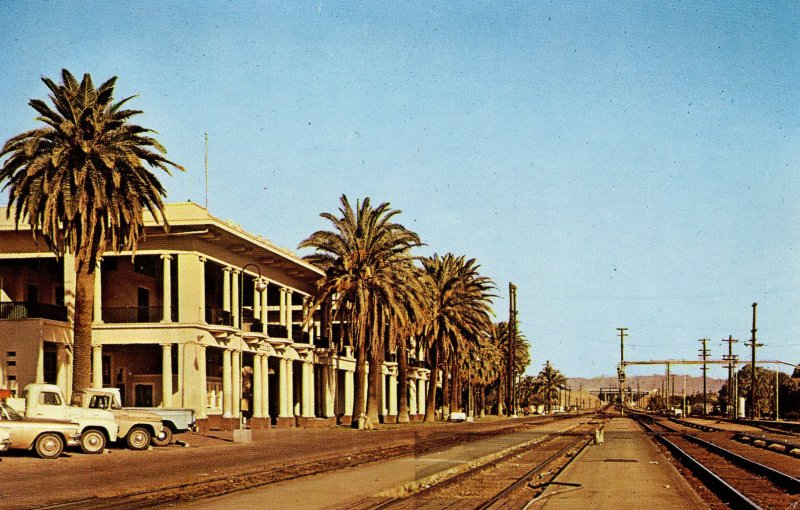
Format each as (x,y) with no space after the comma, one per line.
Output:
(206,316)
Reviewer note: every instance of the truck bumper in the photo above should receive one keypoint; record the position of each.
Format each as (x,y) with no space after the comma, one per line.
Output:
(5,444)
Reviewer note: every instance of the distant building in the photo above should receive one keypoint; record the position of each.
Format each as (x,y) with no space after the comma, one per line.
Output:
(173,324)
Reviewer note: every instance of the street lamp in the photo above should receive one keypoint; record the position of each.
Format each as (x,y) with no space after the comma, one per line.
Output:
(259,286)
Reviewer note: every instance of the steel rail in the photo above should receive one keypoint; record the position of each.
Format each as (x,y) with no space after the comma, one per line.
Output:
(779,478)
(524,479)
(712,480)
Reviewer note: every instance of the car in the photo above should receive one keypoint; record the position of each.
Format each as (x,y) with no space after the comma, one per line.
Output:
(136,428)
(44,436)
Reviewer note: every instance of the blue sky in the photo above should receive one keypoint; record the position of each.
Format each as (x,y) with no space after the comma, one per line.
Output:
(632,164)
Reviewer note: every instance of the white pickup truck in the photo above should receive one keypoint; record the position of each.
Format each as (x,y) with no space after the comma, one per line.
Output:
(136,428)
(96,426)
(175,420)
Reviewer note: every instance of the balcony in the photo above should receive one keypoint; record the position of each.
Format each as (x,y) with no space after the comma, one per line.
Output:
(132,314)
(219,317)
(20,310)
(301,337)
(252,325)
(322,342)
(276,331)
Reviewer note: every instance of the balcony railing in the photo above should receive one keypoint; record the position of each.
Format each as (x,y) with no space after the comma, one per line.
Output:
(20,310)
(276,331)
(301,337)
(322,342)
(252,325)
(132,314)
(219,317)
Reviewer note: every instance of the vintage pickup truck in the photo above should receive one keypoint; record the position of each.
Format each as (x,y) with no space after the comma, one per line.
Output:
(46,437)
(137,428)
(175,420)
(96,426)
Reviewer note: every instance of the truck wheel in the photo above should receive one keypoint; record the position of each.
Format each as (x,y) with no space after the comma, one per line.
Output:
(138,438)
(167,438)
(49,445)
(93,441)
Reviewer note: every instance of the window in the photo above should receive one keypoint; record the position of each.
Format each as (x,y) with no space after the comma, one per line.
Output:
(143,395)
(33,293)
(99,402)
(106,371)
(49,398)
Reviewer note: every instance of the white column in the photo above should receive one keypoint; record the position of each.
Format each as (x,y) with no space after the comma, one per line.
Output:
(258,410)
(201,360)
(328,391)
(264,305)
(227,384)
(412,396)
(166,375)
(61,368)
(282,307)
(422,396)
(256,301)
(236,383)
(235,297)
(308,390)
(288,313)
(349,392)
(97,366)
(289,387)
(283,388)
(167,289)
(40,363)
(226,289)
(98,294)
(392,395)
(265,384)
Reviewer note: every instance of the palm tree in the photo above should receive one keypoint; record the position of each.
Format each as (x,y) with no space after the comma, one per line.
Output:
(459,299)
(547,385)
(82,182)
(359,257)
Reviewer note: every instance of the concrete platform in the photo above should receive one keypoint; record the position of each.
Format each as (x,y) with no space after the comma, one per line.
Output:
(344,488)
(627,472)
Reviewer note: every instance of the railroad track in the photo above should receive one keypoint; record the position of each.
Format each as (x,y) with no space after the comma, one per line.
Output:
(236,482)
(737,480)
(509,482)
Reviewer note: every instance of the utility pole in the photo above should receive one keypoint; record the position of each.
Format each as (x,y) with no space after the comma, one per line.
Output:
(733,399)
(512,347)
(753,379)
(704,355)
(666,390)
(206,165)
(621,375)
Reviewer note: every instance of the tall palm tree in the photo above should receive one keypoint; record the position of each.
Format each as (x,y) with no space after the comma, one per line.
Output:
(82,182)
(547,385)
(459,299)
(358,256)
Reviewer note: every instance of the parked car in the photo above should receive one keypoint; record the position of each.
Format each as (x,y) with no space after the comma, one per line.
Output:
(137,428)
(97,427)
(46,437)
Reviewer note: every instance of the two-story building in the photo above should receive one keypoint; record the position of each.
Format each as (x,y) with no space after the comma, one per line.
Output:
(206,316)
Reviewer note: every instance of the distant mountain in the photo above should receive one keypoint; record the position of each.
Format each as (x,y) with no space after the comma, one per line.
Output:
(648,382)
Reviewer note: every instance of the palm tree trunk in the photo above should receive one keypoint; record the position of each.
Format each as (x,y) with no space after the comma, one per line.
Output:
(430,403)
(375,387)
(359,402)
(500,396)
(455,385)
(445,389)
(82,339)
(402,381)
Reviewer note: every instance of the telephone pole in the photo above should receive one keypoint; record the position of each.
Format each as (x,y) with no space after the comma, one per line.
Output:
(704,355)
(621,375)
(512,347)
(733,399)
(753,379)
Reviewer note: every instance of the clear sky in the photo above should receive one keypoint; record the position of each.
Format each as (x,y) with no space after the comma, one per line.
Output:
(624,164)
